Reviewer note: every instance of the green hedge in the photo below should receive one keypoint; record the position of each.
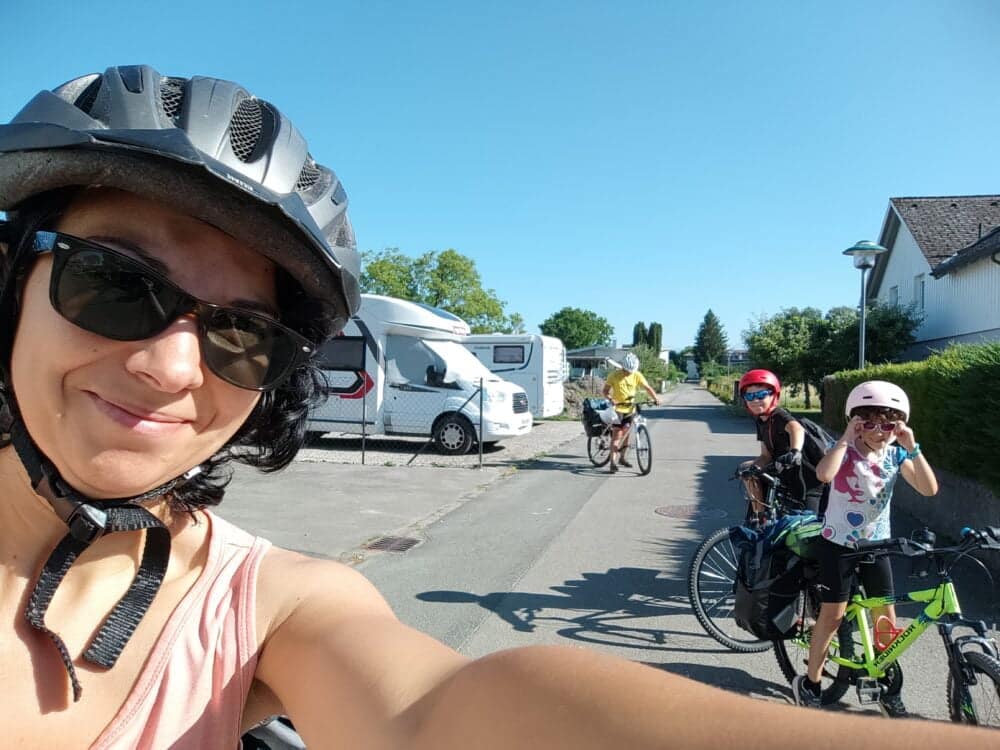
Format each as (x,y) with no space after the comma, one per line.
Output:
(954,404)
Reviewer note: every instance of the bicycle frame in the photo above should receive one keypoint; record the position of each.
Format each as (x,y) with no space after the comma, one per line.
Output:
(942,604)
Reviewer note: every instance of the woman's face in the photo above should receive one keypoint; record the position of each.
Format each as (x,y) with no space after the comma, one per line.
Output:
(121,417)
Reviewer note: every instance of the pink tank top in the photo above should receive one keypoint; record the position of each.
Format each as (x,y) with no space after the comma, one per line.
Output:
(191,691)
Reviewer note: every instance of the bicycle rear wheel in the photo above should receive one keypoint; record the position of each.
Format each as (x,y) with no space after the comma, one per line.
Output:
(599,448)
(978,703)
(793,654)
(643,450)
(711,589)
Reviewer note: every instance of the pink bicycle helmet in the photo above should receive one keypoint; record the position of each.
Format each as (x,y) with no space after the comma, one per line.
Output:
(878,393)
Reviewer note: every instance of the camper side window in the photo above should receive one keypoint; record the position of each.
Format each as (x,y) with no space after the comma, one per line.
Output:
(508,354)
(408,360)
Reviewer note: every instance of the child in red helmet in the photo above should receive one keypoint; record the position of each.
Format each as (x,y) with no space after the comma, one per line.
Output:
(781,439)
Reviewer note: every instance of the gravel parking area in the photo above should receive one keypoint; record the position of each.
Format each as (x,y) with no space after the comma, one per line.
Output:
(397,451)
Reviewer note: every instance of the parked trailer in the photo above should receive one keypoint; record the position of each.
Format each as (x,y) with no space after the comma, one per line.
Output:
(418,380)
(536,363)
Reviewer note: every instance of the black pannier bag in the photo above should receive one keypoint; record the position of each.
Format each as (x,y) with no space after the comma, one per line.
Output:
(593,425)
(769,579)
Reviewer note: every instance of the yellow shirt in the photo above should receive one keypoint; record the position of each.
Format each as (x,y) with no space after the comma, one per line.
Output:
(624,386)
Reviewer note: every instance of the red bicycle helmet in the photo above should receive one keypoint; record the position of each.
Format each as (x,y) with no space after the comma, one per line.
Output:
(762,377)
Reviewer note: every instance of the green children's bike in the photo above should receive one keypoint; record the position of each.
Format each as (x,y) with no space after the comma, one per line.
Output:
(973,684)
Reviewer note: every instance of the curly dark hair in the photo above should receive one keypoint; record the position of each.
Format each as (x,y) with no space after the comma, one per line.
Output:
(275,430)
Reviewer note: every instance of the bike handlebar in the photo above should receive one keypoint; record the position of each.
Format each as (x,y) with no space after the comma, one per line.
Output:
(988,538)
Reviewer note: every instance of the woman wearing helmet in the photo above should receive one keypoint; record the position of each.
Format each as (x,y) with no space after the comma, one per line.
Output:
(173,258)
(876,448)
(620,388)
(781,438)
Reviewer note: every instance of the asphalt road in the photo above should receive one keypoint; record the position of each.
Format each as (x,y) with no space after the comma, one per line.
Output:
(553,550)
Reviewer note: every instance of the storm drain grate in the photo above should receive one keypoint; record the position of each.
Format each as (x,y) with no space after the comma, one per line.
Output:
(392,543)
(689,511)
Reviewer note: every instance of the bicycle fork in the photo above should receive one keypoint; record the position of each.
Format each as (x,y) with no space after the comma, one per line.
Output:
(955,646)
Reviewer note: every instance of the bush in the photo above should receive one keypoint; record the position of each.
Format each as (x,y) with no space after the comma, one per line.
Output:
(954,404)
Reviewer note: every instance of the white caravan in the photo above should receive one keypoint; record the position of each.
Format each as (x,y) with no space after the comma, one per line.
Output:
(536,363)
(418,380)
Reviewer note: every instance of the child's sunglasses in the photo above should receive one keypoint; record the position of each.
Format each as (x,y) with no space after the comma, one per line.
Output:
(882,426)
(118,297)
(755,395)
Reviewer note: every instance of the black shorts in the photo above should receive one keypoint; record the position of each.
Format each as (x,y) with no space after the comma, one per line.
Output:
(837,574)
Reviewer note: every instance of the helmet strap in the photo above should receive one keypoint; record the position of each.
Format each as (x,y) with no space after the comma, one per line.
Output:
(88,521)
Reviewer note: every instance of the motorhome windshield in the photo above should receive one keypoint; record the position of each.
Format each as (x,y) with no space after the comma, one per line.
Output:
(461,362)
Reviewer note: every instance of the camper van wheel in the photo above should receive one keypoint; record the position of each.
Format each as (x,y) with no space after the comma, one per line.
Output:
(453,435)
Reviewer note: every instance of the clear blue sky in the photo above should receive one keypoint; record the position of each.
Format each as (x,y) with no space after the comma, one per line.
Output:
(645,160)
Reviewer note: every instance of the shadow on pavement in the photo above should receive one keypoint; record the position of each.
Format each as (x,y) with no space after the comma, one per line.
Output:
(729,678)
(596,608)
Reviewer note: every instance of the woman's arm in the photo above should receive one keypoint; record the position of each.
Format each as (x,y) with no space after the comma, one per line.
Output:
(351,675)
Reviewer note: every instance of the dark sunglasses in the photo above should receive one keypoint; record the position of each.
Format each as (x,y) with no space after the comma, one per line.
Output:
(119,297)
(755,395)
(883,426)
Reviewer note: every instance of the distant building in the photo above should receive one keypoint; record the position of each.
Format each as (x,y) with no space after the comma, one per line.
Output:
(592,360)
(941,261)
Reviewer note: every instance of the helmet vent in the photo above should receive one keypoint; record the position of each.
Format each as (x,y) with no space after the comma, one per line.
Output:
(87,98)
(308,176)
(172,97)
(251,129)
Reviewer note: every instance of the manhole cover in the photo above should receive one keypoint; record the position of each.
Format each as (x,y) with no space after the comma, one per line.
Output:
(689,511)
(392,543)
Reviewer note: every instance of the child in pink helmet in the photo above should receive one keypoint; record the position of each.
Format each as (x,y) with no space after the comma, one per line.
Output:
(877,447)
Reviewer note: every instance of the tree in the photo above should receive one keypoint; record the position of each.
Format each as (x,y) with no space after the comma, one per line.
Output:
(639,334)
(786,343)
(802,346)
(577,328)
(652,367)
(710,343)
(654,338)
(448,280)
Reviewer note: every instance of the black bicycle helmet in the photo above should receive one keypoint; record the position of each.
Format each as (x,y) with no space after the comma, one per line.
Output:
(203,146)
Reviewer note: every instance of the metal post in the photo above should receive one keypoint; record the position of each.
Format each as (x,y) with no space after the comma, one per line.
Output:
(364,412)
(480,423)
(861,327)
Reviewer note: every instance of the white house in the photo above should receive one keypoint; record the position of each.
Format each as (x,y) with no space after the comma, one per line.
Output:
(941,261)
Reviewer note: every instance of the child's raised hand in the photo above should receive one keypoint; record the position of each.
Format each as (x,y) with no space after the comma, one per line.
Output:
(853,430)
(904,435)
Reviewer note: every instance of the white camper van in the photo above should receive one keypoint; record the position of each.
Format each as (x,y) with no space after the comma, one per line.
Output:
(536,363)
(418,380)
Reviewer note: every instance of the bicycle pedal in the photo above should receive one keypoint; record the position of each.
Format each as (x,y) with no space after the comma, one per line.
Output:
(869,690)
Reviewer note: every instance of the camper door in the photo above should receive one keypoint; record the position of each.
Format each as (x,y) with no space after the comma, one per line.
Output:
(415,393)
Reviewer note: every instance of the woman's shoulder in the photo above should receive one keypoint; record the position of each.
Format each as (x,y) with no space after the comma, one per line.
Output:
(290,583)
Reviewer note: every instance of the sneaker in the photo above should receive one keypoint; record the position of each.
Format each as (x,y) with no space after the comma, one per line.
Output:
(624,462)
(804,695)
(891,705)
(613,467)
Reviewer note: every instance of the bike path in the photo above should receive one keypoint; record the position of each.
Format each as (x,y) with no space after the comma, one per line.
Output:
(565,553)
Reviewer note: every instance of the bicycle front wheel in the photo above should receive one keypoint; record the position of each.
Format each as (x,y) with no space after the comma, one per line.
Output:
(599,448)
(976,702)
(793,654)
(643,450)
(711,589)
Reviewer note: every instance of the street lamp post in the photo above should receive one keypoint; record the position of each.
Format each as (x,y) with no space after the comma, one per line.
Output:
(864,254)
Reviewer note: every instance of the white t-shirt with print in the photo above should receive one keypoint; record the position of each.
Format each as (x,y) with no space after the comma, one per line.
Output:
(860,495)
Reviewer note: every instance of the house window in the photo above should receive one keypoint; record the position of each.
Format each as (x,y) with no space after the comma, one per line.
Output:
(894,295)
(508,355)
(918,291)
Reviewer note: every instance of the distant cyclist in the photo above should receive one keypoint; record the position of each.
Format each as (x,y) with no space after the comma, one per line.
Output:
(621,388)
(781,439)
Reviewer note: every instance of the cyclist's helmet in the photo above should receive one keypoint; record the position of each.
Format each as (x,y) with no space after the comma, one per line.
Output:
(878,393)
(762,377)
(630,363)
(207,148)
